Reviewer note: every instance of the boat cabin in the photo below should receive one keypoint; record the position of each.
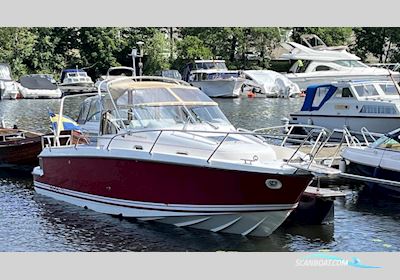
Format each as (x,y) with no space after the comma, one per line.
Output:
(203,65)
(381,97)
(307,66)
(207,75)
(71,76)
(148,105)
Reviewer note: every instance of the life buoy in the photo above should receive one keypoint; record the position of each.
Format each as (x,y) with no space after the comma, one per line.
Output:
(251,94)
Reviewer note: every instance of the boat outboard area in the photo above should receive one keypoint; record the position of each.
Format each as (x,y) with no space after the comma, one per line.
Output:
(162,150)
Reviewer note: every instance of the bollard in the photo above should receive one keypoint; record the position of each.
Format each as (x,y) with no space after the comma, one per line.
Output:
(342,165)
(285,123)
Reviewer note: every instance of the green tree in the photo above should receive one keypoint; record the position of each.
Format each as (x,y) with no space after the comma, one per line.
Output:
(234,43)
(191,47)
(16,47)
(44,57)
(157,52)
(381,42)
(98,47)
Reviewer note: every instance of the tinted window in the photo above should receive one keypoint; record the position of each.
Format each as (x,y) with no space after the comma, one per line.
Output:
(323,68)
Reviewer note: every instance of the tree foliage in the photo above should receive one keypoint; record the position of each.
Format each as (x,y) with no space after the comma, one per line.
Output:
(49,50)
(157,54)
(381,42)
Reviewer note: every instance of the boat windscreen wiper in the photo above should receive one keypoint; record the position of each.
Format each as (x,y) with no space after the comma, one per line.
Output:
(205,121)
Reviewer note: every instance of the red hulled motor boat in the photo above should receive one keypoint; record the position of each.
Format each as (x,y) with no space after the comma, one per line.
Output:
(162,150)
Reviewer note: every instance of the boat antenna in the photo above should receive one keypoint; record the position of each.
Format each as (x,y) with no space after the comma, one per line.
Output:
(395,83)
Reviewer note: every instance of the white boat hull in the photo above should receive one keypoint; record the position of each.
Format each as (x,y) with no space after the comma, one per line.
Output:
(220,87)
(40,93)
(354,124)
(248,220)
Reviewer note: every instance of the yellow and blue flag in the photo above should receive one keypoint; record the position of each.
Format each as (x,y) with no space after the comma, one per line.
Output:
(66,122)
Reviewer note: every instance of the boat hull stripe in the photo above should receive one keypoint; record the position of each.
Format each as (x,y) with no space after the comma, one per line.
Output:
(209,209)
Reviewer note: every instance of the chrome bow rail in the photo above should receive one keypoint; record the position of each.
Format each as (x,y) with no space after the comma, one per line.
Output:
(50,141)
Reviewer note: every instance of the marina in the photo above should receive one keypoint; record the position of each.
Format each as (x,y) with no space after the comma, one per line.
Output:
(38,223)
(198,146)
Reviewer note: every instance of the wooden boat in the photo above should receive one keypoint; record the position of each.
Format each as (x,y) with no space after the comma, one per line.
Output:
(19,148)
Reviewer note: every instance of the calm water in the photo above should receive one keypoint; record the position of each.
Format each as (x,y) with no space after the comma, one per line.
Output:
(30,222)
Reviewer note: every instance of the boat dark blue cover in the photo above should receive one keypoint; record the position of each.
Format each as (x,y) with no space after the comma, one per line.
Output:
(310,95)
(72,70)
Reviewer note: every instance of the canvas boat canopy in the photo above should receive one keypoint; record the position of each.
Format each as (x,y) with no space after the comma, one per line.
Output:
(326,90)
(37,82)
(130,93)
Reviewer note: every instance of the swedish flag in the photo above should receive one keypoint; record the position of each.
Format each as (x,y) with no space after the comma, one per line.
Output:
(66,122)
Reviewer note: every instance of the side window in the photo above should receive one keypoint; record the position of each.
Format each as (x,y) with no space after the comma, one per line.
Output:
(319,95)
(94,111)
(346,92)
(322,68)
(83,113)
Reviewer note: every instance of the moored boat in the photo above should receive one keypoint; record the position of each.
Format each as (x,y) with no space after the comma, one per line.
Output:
(19,148)
(76,81)
(374,105)
(165,152)
(312,67)
(379,160)
(213,78)
(36,86)
(267,83)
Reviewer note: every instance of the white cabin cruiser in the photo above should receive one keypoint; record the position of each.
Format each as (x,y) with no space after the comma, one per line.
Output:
(165,152)
(75,77)
(267,83)
(379,160)
(325,66)
(374,105)
(213,78)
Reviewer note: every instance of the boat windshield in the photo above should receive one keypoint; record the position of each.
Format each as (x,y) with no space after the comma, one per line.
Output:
(163,96)
(366,90)
(350,63)
(167,107)
(214,76)
(391,142)
(171,116)
(211,65)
